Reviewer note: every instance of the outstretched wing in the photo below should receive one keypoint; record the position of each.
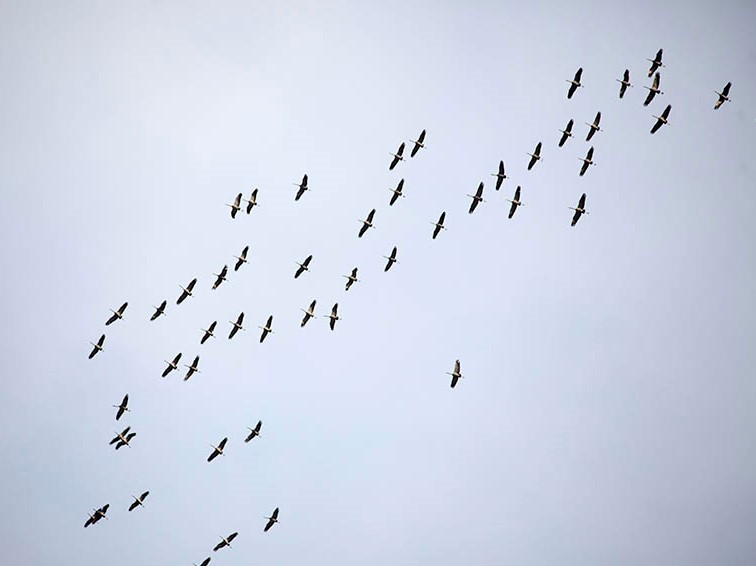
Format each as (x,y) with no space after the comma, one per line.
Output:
(231,537)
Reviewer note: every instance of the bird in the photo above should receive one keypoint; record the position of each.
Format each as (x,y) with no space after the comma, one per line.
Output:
(456,374)
(123,438)
(351,278)
(304,266)
(420,142)
(593,127)
(579,210)
(587,161)
(656,62)
(172,365)
(217,450)
(158,310)
(334,316)
(515,202)
(252,202)
(271,520)
(535,156)
(236,206)
(208,332)
(367,223)
(309,313)
(186,291)
(237,326)
(397,192)
(98,514)
(500,175)
(624,82)
(566,133)
(391,259)
(138,501)
(117,315)
(192,368)
(439,225)
(241,259)
(225,541)
(123,407)
(575,82)
(205,562)
(302,188)
(220,277)
(477,198)
(724,96)
(253,431)
(663,119)
(653,90)
(97,347)
(266,329)
(397,157)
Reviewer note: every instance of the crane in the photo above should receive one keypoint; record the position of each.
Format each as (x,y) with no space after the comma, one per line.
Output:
(391,259)
(593,127)
(334,316)
(397,192)
(456,374)
(566,133)
(241,259)
(309,313)
(367,223)
(580,210)
(656,62)
(208,332)
(653,90)
(236,206)
(420,142)
(123,438)
(138,501)
(225,541)
(192,368)
(237,326)
(302,188)
(272,520)
(123,407)
(117,315)
(624,82)
(352,278)
(397,157)
(159,310)
(97,347)
(535,156)
(477,198)
(220,277)
(500,175)
(575,82)
(217,450)
(252,202)
(439,225)
(253,432)
(172,365)
(304,266)
(587,161)
(661,120)
(724,96)
(266,329)
(515,202)
(98,514)
(186,291)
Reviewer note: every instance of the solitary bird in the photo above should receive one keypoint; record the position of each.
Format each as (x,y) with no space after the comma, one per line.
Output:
(397,157)
(304,266)
(192,368)
(656,62)
(266,329)
(123,438)
(420,142)
(575,82)
(273,519)
(159,310)
(624,82)
(515,202)
(302,188)
(439,225)
(117,315)
(579,211)
(186,291)
(220,277)
(351,278)
(236,206)
(252,202)
(397,192)
(138,501)
(253,431)
(225,541)
(663,119)
(241,259)
(97,347)
(236,326)
(724,96)
(500,175)
(566,133)
(208,332)
(97,515)
(217,450)
(456,374)
(535,156)
(172,365)
(367,223)
(653,90)
(391,259)
(587,161)
(334,316)
(309,313)
(593,127)
(477,197)
(123,407)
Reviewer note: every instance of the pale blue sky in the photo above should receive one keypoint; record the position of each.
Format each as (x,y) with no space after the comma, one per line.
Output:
(607,413)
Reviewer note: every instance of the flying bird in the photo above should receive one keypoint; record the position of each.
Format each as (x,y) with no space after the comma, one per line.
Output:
(97,347)
(624,82)
(397,157)
(159,310)
(593,127)
(98,514)
(237,326)
(391,259)
(253,431)
(653,90)
(217,450)
(192,368)
(439,225)
(220,277)
(397,192)
(656,62)
(266,329)
(663,119)
(500,175)
(456,374)
(273,519)
(304,266)
(123,407)
(515,202)
(477,197)
(724,96)
(420,142)
(309,313)
(241,259)
(535,156)
(367,223)
(208,332)
(579,211)
(138,501)
(172,365)
(225,541)
(186,291)
(252,202)
(334,316)
(302,188)
(117,315)
(123,438)
(575,82)
(236,206)
(587,161)
(566,133)
(351,278)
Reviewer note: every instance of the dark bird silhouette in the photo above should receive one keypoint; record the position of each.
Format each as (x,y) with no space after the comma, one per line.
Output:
(587,161)
(653,90)
(439,225)
(208,332)
(123,438)
(656,62)
(391,259)
(334,316)
(367,223)
(172,365)
(117,315)
(241,259)
(138,501)
(159,310)
(477,198)
(302,188)
(253,431)
(217,450)
(309,313)
(352,278)
(252,202)
(97,515)
(123,407)
(624,82)
(579,211)
(220,277)
(420,142)
(266,329)
(593,127)
(186,291)
(535,156)
(237,326)
(575,82)
(661,120)
(225,541)
(397,157)
(272,520)
(194,368)
(500,175)
(304,266)
(566,133)
(724,96)
(515,202)
(97,347)
(397,192)
(236,206)
(456,374)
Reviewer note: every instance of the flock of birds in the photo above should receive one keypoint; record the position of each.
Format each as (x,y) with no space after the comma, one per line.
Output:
(125,437)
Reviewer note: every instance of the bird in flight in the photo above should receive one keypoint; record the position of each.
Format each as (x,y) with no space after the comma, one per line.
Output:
(97,347)
(397,192)
(302,188)
(456,374)
(566,133)
(217,450)
(579,211)
(397,157)
(391,259)
(309,313)
(117,315)
(236,206)
(253,432)
(420,142)
(272,520)
(439,225)
(138,501)
(575,82)
(123,407)
(186,291)
(208,332)
(225,541)
(159,310)
(661,120)
(624,82)
(515,202)
(724,96)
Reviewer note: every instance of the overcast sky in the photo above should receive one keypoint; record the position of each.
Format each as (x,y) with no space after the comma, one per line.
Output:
(607,410)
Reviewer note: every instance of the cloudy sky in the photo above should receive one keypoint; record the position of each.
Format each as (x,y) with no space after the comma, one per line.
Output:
(607,410)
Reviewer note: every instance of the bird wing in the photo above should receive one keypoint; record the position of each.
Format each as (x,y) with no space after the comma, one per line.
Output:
(441,219)
(307,260)
(371,215)
(112,319)
(623,88)
(177,358)
(362,231)
(421,139)
(222,444)
(212,326)
(191,285)
(394,196)
(239,319)
(517,193)
(224,271)
(231,537)
(573,88)
(237,200)
(538,149)
(210,459)
(332,323)
(665,114)
(581,202)
(220,545)
(269,324)
(473,206)
(258,426)
(589,155)
(568,129)
(123,308)
(250,436)
(726,90)
(454,380)
(144,495)
(657,78)
(597,119)
(479,192)
(533,160)
(512,209)
(456,366)
(401,150)
(304,180)
(354,272)
(626,76)
(133,505)
(167,370)
(578,74)
(270,523)
(563,139)
(205,562)
(312,305)
(300,192)
(275,513)
(400,186)
(195,362)
(576,217)
(584,168)
(334,310)
(299,271)
(649,98)
(393,163)
(656,126)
